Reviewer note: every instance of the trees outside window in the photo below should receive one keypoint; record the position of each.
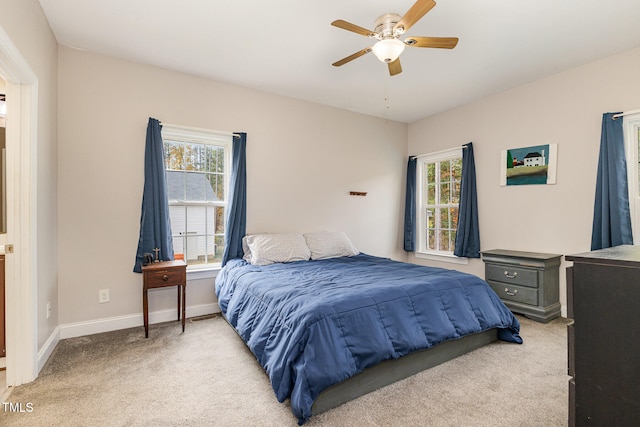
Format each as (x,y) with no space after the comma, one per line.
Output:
(438,186)
(197,166)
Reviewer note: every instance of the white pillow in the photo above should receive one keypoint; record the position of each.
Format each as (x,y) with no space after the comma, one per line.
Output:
(267,249)
(329,244)
(245,249)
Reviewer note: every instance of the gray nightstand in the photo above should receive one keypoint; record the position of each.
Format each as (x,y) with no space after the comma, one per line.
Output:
(527,282)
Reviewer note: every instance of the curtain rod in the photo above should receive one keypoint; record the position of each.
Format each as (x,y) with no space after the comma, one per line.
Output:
(626,113)
(436,153)
(235,135)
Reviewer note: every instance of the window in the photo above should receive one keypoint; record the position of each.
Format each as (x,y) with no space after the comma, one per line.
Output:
(438,184)
(632,137)
(197,166)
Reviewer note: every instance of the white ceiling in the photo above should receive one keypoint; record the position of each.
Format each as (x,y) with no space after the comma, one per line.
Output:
(287,47)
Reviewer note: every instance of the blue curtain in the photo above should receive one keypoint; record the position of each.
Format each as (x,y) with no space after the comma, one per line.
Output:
(237,208)
(611,217)
(468,233)
(155,225)
(410,207)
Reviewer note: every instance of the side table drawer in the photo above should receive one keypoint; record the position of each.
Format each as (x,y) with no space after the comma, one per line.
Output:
(509,292)
(164,277)
(512,274)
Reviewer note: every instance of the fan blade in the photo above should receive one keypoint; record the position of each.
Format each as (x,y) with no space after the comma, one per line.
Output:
(351,57)
(352,27)
(395,67)
(438,42)
(413,15)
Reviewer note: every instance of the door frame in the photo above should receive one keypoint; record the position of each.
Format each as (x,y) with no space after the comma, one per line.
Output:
(21,277)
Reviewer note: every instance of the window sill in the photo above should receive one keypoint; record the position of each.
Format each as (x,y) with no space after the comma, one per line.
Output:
(450,258)
(202,273)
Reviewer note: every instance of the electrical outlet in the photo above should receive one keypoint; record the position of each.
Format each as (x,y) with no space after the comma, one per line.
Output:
(103,295)
(48,309)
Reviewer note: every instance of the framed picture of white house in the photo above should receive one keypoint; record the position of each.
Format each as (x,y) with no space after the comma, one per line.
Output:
(529,165)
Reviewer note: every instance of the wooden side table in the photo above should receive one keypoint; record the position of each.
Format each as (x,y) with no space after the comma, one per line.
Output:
(160,275)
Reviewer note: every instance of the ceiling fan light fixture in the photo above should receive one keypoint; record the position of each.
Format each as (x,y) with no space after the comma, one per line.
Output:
(388,50)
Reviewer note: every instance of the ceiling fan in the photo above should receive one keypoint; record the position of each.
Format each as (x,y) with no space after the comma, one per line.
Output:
(388,29)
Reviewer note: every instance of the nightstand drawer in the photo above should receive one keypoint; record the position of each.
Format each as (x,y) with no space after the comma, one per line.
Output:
(515,293)
(512,275)
(164,277)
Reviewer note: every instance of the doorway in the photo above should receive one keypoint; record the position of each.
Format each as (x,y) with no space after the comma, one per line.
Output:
(3,353)
(20,239)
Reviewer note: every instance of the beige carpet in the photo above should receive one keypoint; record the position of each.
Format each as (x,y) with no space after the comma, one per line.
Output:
(207,377)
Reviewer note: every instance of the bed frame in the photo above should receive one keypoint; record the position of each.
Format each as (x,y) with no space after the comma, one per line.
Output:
(390,371)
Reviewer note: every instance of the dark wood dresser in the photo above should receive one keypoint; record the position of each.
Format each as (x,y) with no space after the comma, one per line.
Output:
(603,297)
(527,282)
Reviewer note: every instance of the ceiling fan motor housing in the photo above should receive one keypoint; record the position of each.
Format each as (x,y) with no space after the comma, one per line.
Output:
(384,25)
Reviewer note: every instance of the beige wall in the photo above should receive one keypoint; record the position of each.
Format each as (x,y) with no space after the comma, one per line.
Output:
(302,161)
(565,109)
(26,25)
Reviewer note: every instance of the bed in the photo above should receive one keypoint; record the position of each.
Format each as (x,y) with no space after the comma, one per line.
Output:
(331,325)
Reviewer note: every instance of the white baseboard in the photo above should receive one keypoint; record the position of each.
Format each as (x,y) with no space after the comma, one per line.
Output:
(48,347)
(78,329)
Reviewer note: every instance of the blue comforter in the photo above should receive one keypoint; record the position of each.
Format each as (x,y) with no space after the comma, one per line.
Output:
(312,324)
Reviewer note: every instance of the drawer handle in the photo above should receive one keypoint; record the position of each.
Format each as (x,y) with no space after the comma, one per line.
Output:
(513,294)
(165,277)
(511,276)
